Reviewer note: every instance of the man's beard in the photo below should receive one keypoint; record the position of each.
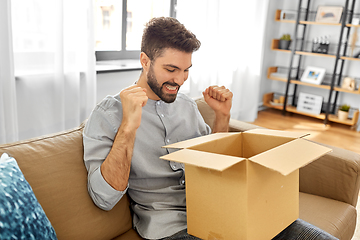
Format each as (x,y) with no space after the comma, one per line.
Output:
(157,89)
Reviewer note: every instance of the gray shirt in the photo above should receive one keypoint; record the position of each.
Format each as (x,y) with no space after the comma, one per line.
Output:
(156,187)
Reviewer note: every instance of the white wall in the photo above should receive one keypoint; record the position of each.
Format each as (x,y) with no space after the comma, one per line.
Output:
(112,83)
(274,30)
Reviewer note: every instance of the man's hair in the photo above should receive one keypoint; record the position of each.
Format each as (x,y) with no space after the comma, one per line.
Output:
(166,32)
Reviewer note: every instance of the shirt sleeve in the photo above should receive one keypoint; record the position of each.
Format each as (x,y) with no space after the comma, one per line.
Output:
(98,138)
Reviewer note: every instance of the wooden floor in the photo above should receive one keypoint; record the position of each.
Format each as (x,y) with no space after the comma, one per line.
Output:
(333,134)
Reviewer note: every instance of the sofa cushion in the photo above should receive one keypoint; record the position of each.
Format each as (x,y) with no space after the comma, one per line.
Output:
(335,217)
(129,235)
(334,175)
(54,167)
(21,215)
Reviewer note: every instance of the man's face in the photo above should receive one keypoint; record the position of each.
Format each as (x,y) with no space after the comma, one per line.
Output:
(167,73)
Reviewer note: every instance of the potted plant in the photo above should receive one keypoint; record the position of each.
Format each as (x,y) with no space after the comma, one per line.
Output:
(285,41)
(343,112)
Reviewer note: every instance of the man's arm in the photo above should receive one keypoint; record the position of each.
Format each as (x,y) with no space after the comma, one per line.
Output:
(108,151)
(220,100)
(116,167)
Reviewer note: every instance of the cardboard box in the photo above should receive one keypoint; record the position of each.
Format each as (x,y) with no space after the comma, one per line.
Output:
(243,185)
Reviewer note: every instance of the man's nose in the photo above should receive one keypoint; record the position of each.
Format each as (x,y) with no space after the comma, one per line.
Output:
(181,78)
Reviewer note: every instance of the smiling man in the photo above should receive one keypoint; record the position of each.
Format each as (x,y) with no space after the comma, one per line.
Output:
(124,135)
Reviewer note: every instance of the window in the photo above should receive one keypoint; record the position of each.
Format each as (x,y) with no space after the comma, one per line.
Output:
(106,19)
(33,35)
(119,25)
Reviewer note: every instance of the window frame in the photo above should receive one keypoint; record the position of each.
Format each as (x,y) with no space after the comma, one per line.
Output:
(123,53)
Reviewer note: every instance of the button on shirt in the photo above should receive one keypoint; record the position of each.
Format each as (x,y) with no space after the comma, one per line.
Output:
(156,187)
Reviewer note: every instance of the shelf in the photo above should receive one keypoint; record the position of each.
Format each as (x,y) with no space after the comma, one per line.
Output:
(275,47)
(276,78)
(350,58)
(293,109)
(278,13)
(350,122)
(339,89)
(269,96)
(298,82)
(319,23)
(332,118)
(355,26)
(282,74)
(277,17)
(315,54)
(272,70)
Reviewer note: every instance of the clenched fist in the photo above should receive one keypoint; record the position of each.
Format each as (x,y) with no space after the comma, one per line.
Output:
(133,99)
(219,99)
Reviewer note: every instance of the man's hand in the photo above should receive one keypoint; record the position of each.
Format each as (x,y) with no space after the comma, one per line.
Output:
(132,99)
(220,100)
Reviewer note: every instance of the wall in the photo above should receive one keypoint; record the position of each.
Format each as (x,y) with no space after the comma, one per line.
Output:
(112,83)
(275,58)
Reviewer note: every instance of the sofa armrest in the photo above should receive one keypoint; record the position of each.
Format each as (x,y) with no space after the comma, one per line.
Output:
(240,126)
(334,175)
(206,112)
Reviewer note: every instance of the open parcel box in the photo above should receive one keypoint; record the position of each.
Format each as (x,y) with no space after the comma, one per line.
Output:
(243,185)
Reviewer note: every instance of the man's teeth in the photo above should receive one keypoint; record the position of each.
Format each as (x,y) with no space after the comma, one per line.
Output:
(171,87)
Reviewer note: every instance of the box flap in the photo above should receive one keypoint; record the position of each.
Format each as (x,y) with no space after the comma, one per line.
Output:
(199,140)
(290,156)
(278,133)
(213,161)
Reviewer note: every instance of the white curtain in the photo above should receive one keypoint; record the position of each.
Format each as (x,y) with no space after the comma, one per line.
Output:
(54,65)
(231,54)
(8,113)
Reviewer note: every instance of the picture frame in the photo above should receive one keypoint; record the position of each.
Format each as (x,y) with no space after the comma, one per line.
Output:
(329,14)
(313,75)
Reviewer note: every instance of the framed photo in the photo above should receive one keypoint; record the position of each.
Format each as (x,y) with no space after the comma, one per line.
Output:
(288,15)
(309,103)
(313,75)
(329,14)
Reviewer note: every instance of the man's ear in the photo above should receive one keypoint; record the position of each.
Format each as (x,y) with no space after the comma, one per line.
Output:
(145,61)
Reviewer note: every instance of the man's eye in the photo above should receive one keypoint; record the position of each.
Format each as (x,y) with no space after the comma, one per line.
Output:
(170,70)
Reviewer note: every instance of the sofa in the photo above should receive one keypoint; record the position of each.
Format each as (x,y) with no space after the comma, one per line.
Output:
(53,166)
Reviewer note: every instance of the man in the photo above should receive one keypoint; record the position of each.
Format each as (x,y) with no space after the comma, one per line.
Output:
(124,134)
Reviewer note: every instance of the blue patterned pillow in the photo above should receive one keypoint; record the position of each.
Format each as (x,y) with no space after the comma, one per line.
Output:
(21,215)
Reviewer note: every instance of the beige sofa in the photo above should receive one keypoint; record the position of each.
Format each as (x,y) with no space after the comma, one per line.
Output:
(53,165)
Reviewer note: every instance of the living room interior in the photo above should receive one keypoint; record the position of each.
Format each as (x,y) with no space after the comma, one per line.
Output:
(60,58)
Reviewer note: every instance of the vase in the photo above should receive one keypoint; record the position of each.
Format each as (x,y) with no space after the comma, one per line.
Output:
(284,44)
(342,115)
